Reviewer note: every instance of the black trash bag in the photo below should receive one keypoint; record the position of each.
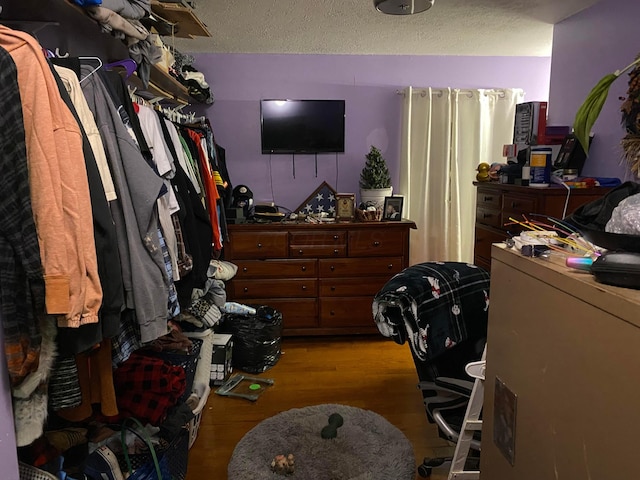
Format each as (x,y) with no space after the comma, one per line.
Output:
(256,338)
(591,219)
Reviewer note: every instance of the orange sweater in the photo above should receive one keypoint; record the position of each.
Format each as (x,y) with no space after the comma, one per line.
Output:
(59,187)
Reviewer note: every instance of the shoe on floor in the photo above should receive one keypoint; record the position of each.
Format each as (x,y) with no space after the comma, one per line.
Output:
(102,464)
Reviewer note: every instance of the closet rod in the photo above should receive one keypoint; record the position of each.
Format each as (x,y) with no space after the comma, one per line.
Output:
(31,26)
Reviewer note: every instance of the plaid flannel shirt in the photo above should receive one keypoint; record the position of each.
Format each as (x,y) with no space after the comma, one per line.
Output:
(21,280)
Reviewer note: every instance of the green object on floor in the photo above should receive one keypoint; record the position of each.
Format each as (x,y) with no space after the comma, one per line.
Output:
(244,386)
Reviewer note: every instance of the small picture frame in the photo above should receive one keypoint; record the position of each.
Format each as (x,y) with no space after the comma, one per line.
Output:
(392,209)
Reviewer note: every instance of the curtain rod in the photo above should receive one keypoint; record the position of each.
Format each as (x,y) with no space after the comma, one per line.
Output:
(439,92)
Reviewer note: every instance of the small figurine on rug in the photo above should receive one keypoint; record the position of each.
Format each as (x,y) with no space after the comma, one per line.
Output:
(331,430)
(283,465)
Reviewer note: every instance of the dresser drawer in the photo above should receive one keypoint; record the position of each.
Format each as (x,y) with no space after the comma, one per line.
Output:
(290,287)
(296,312)
(375,243)
(347,287)
(310,251)
(359,267)
(490,217)
(346,312)
(488,199)
(276,268)
(257,245)
(515,207)
(484,239)
(519,204)
(318,238)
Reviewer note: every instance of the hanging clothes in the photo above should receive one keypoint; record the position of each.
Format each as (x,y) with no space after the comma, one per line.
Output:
(194,230)
(134,213)
(198,236)
(206,171)
(180,153)
(85,119)
(167,204)
(59,187)
(94,375)
(22,284)
(97,386)
(73,341)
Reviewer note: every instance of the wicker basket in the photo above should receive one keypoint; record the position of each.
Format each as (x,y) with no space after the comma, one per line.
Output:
(29,472)
(194,423)
(188,361)
(368,215)
(173,457)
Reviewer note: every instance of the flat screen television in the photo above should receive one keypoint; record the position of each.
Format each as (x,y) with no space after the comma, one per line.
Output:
(302,126)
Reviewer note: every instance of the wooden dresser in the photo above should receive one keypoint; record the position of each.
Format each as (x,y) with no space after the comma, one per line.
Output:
(496,202)
(321,277)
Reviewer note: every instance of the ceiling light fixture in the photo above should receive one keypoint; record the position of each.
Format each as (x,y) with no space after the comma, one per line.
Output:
(402,7)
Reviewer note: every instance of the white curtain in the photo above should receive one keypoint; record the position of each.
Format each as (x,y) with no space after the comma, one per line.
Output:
(446,133)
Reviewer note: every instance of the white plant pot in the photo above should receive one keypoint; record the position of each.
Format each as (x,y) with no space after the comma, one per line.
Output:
(375,196)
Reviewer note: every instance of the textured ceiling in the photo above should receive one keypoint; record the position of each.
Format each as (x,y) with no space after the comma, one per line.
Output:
(450,27)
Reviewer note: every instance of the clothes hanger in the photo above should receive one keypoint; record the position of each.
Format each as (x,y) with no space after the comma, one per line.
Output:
(129,65)
(94,70)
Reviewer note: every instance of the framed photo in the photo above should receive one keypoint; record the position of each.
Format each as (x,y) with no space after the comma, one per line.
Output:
(345,207)
(393,209)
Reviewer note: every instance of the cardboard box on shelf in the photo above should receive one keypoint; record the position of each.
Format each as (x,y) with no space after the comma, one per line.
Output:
(221,366)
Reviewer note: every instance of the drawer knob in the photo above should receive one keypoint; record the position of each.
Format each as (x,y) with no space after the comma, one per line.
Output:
(336,251)
(304,269)
(376,244)
(304,287)
(488,198)
(300,251)
(332,312)
(333,289)
(244,269)
(332,268)
(259,245)
(390,266)
(246,289)
(335,237)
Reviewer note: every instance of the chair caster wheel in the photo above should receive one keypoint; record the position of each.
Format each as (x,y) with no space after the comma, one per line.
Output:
(424,472)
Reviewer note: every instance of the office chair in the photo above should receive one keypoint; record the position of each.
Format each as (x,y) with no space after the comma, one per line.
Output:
(441,310)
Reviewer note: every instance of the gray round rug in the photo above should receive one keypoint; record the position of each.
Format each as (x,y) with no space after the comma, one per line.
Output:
(367,447)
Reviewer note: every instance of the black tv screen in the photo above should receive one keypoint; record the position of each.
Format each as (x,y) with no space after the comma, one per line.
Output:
(302,126)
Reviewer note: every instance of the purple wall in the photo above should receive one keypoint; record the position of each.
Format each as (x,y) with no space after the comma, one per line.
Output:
(587,46)
(373,109)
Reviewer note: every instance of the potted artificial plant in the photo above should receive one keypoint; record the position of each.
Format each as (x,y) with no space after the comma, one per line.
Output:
(375,181)
(590,109)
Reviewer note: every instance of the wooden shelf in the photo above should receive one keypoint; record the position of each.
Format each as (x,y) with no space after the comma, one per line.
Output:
(162,84)
(63,25)
(189,24)
(67,26)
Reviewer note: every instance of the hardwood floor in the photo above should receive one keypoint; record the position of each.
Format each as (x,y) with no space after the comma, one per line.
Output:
(369,372)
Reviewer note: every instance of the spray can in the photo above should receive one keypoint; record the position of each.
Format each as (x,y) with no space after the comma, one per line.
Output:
(540,173)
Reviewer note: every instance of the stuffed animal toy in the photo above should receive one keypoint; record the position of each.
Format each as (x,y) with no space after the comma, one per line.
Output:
(283,465)
(483,172)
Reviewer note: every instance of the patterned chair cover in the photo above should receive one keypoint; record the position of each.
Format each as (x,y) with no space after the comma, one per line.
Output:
(435,306)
